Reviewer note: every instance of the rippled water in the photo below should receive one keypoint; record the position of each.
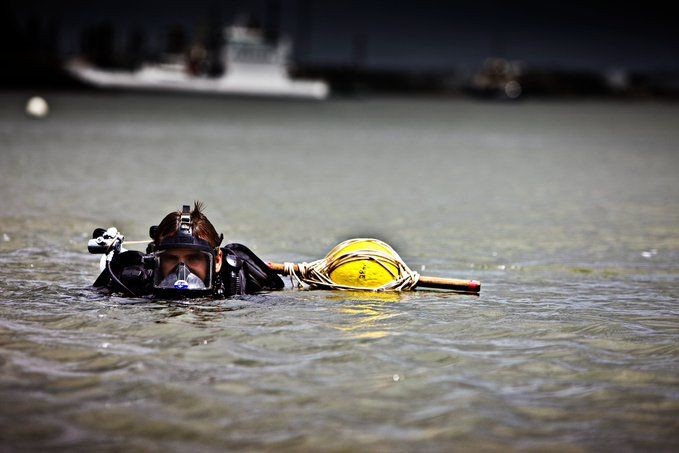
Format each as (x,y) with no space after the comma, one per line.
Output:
(567,213)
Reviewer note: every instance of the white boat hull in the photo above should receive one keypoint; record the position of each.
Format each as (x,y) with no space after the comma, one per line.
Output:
(262,84)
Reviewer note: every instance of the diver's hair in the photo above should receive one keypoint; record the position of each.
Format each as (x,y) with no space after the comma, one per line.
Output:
(202,227)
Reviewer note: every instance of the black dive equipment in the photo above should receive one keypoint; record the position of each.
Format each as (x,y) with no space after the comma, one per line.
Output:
(179,266)
(108,242)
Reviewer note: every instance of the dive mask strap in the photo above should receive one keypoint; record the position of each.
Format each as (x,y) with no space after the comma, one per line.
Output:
(185,223)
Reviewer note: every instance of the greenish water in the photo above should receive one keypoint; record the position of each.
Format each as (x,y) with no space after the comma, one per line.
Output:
(567,212)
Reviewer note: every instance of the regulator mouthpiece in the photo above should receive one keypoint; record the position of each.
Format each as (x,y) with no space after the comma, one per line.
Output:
(182,279)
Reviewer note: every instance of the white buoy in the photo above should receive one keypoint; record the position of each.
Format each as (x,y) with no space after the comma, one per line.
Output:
(37,107)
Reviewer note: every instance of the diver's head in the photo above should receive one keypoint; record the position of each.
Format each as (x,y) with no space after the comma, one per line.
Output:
(187,254)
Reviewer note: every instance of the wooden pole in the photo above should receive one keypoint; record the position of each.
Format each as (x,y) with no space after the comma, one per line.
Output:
(455,284)
(452,284)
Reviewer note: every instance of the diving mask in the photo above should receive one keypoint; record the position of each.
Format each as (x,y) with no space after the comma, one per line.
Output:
(183,270)
(184,263)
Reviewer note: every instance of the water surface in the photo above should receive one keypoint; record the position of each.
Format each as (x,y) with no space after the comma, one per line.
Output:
(566,211)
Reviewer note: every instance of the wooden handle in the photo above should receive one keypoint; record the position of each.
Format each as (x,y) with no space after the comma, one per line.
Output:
(453,284)
(280,268)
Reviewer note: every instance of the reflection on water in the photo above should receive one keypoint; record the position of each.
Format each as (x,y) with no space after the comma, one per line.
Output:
(567,213)
(368,313)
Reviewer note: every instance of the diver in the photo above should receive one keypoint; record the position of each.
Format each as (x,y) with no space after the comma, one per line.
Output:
(183,260)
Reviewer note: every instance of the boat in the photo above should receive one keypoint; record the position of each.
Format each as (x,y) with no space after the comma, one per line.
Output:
(252,67)
(497,79)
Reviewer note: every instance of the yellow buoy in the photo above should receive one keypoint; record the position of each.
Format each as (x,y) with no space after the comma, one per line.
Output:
(362,263)
(366,265)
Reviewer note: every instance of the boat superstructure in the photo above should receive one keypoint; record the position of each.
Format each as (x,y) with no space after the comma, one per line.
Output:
(252,67)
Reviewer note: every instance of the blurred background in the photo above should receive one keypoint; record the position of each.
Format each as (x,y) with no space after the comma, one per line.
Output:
(491,48)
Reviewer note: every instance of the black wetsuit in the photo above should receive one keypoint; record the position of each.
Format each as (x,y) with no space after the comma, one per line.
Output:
(242,272)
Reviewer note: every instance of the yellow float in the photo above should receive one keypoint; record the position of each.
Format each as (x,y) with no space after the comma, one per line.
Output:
(366,264)
(362,264)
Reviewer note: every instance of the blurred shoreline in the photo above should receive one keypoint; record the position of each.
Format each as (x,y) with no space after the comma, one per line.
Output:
(38,46)
(487,62)
(352,82)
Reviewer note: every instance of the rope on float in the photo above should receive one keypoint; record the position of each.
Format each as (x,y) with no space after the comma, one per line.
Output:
(317,273)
